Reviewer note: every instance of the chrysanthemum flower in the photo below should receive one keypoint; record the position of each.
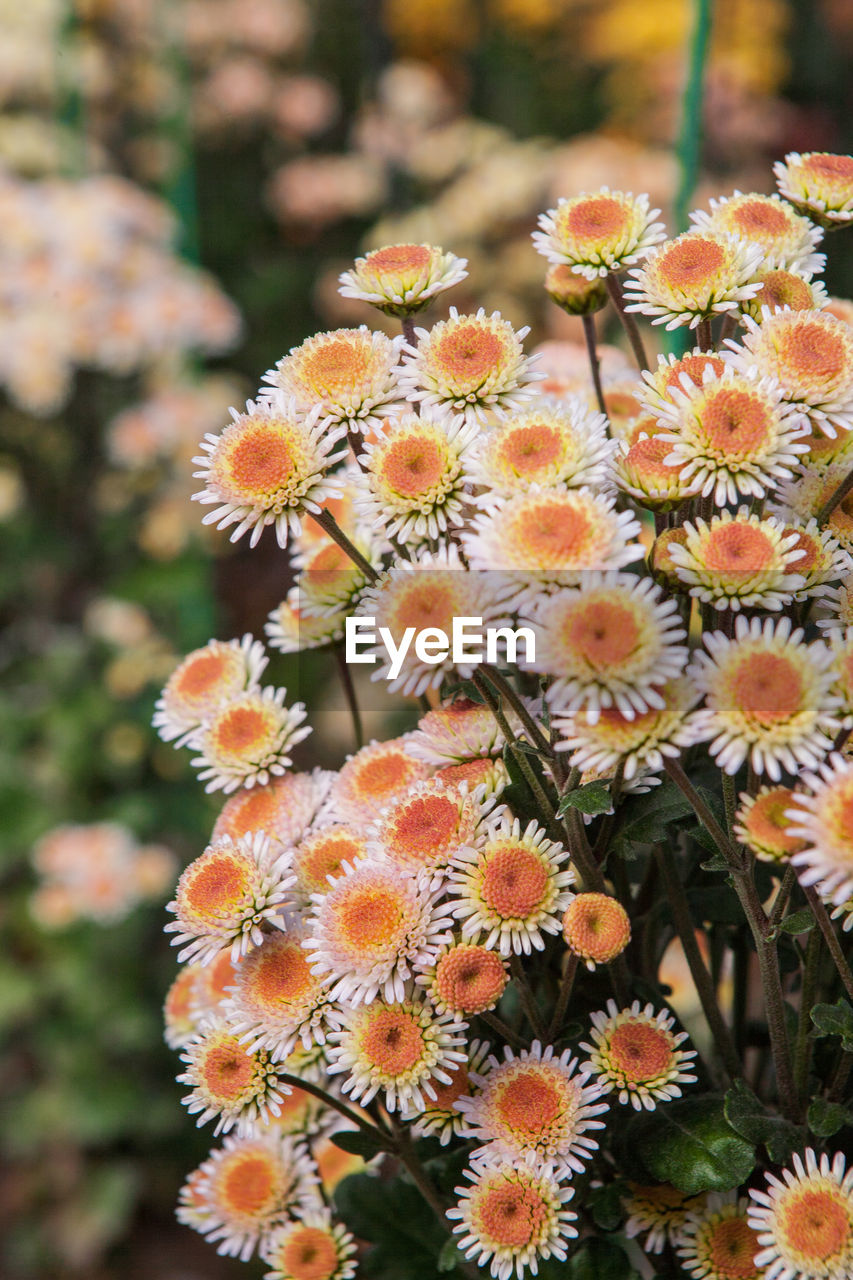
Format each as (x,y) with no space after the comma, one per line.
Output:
(818,184)
(680,372)
(739,561)
(786,239)
(513,1215)
(810,354)
(840,601)
(717,1242)
(610,642)
(457,730)
(277,999)
(396,1049)
(512,887)
(486,778)
(416,474)
(425,829)
(205,680)
(269,467)
(374,928)
(767,698)
(283,809)
(557,443)
(823,560)
(534,1106)
(246,741)
(595,233)
(372,778)
(623,404)
(761,823)
(347,377)
(224,896)
(301,1113)
(229,1080)
(290,629)
(181,1023)
(470,364)
(575,294)
(320,857)
(658,1212)
(328,580)
(784,289)
(440,1116)
(823,818)
(804,1220)
(213,983)
(801,499)
(636,1052)
(689,279)
(311,1247)
(465,978)
(644,470)
(400,279)
(640,742)
(596,928)
(246,1189)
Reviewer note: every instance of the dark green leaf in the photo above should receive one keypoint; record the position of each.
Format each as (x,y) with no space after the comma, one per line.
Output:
(715,863)
(359,1142)
(799,922)
(394,1217)
(691,1144)
(834,1020)
(592,799)
(826,1118)
(605,1205)
(599,1259)
(645,819)
(749,1117)
(717,903)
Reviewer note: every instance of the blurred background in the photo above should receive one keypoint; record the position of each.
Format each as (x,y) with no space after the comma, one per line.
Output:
(181,182)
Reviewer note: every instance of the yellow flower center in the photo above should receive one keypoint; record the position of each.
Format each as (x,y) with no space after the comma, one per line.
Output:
(767,688)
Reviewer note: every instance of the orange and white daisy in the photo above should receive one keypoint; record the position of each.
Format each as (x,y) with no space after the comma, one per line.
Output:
(767,698)
(469,364)
(512,887)
(823,818)
(640,743)
(643,469)
(311,1247)
(610,642)
(283,809)
(787,240)
(319,858)
(819,184)
(277,1000)
(458,730)
(237,1084)
(290,629)
(575,294)
(739,561)
(534,1107)
(246,741)
(804,1220)
(465,978)
(515,1215)
(486,778)
(246,1189)
(372,778)
(596,928)
(269,467)
(440,1117)
(401,279)
(658,1212)
(416,474)
(347,377)
(426,828)
(802,499)
(400,1049)
(717,1242)
(810,355)
(785,290)
(693,277)
(206,679)
(823,561)
(373,929)
(680,372)
(762,824)
(557,443)
(598,232)
(225,895)
(735,433)
(638,1055)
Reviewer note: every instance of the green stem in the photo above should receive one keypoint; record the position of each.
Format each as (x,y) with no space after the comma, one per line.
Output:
(329,525)
(704,814)
(838,1083)
(729,799)
(704,338)
(782,897)
(629,324)
(803,1044)
(568,981)
(546,808)
(830,937)
(528,1002)
(351,699)
(380,1134)
(502,1028)
(838,496)
(594,364)
(531,728)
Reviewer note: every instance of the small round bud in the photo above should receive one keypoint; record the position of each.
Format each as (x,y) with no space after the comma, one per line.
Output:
(574,293)
(596,928)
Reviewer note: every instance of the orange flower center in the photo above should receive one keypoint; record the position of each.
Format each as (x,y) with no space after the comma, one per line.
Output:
(514,880)
(735,421)
(511,1214)
(200,675)
(253,810)
(832,167)
(425,826)
(261,461)
(768,688)
(530,448)
(596,219)
(243,730)
(641,1052)
(220,974)
(529,1103)
(335,367)
(597,926)
(221,883)
(734,548)
(227,1069)
(815,1223)
(620,405)
(783,289)
(323,856)
(690,263)
(469,354)
(602,633)
(760,218)
(309,1254)
(250,1185)
(426,604)
(278,976)
(379,777)
(470,771)
(646,458)
(397,258)
(813,551)
(392,1042)
(368,917)
(469,978)
(733,1246)
(413,465)
(694,367)
(447,1094)
(766,822)
(329,559)
(552,531)
(812,351)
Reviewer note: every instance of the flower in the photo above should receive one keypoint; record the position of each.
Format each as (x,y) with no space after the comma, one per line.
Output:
(486,778)
(178,1013)
(823,560)
(534,1107)
(784,289)
(269,467)
(228,1080)
(761,823)
(290,629)
(610,642)
(717,1242)
(246,741)
(311,1247)
(425,829)
(473,365)
(515,1215)
(373,929)
(399,1049)
(689,279)
(512,886)
(767,698)
(804,1220)
(465,978)
(599,232)
(440,1116)
(678,373)
(823,818)
(346,377)
(637,1053)
(277,1000)
(787,240)
(320,858)
(644,470)
(739,561)
(840,600)
(372,778)
(819,184)
(557,443)
(596,928)
(576,295)
(458,730)
(225,895)
(328,580)
(283,809)
(206,679)
(415,476)
(661,1211)
(401,279)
